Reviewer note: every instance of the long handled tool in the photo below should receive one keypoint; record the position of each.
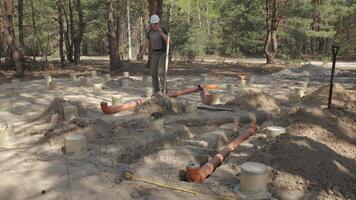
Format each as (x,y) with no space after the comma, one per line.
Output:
(164,87)
(335,50)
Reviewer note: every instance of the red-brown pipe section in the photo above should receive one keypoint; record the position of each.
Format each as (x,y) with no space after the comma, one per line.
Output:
(200,174)
(111,110)
(130,105)
(183,92)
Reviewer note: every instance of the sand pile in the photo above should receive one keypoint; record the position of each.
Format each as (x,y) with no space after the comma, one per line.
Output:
(255,102)
(302,164)
(316,156)
(341,97)
(313,72)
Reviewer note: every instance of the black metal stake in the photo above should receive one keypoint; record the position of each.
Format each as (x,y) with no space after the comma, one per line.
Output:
(335,50)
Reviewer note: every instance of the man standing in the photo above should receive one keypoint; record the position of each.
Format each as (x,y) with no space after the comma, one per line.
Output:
(156,39)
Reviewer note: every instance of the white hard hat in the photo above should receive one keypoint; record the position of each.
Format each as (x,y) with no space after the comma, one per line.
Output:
(154,19)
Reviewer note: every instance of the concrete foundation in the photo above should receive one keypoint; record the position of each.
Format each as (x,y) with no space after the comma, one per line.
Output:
(203,78)
(242,83)
(94,74)
(149,92)
(172,85)
(126,74)
(97,89)
(253,180)
(76,146)
(300,92)
(73,76)
(83,81)
(125,83)
(48,80)
(190,106)
(229,89)
(116,100)
(53,85)
(107,77)
(70,113)
(15,84)
(274,131)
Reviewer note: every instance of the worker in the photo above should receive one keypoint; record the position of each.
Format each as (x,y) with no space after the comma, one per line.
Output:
(156,39)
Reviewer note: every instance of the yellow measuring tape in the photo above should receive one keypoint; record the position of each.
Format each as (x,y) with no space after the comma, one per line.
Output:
(128,175)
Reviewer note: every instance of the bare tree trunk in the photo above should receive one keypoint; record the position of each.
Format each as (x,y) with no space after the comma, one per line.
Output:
(273,17)
(68,33)
(61,31)
(199,16)
(159,8)
(79,36)
(47,47)
(34,27)
(4,30)
(112,42)
(152,7)
(21,32)
(129,29)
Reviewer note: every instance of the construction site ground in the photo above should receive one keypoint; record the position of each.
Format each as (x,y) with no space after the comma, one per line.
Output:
(314,159)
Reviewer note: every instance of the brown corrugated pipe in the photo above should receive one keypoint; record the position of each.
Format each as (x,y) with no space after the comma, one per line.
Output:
(196,174)
(131,105)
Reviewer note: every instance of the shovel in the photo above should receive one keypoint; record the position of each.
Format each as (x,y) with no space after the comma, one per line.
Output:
(335,50)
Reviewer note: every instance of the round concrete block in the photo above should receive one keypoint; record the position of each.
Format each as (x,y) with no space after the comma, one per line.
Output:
(190,106)
(253,180)
(76,146)
(229,89)
(97,89)
(70,113)
(73,76)
(149,92)
(107,77)
(48,80)
(116,100)
(94,74)
(125,83)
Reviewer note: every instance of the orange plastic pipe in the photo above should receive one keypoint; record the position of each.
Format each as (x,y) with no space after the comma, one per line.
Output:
(130,105)
(111,110)
(200,174)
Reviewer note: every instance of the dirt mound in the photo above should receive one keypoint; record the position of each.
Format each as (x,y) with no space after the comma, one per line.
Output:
(310,71)
(302,164)
(253,102)
(316,156)
(51,120)
(341,97)
(322,124)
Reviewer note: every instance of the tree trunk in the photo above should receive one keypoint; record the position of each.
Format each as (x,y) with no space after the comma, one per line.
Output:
(21,32)
(271,46)
(159,8)
(4,30)
(273,17)
(68,34)
(61,31)
(79,36)
(112,42)
(129,29)
(152,7)
(34,27)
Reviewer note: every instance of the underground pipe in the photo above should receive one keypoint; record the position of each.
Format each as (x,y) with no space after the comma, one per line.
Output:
(200,174)
(130,105)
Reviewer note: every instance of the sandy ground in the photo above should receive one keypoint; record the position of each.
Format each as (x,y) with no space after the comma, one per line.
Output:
(314,160)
